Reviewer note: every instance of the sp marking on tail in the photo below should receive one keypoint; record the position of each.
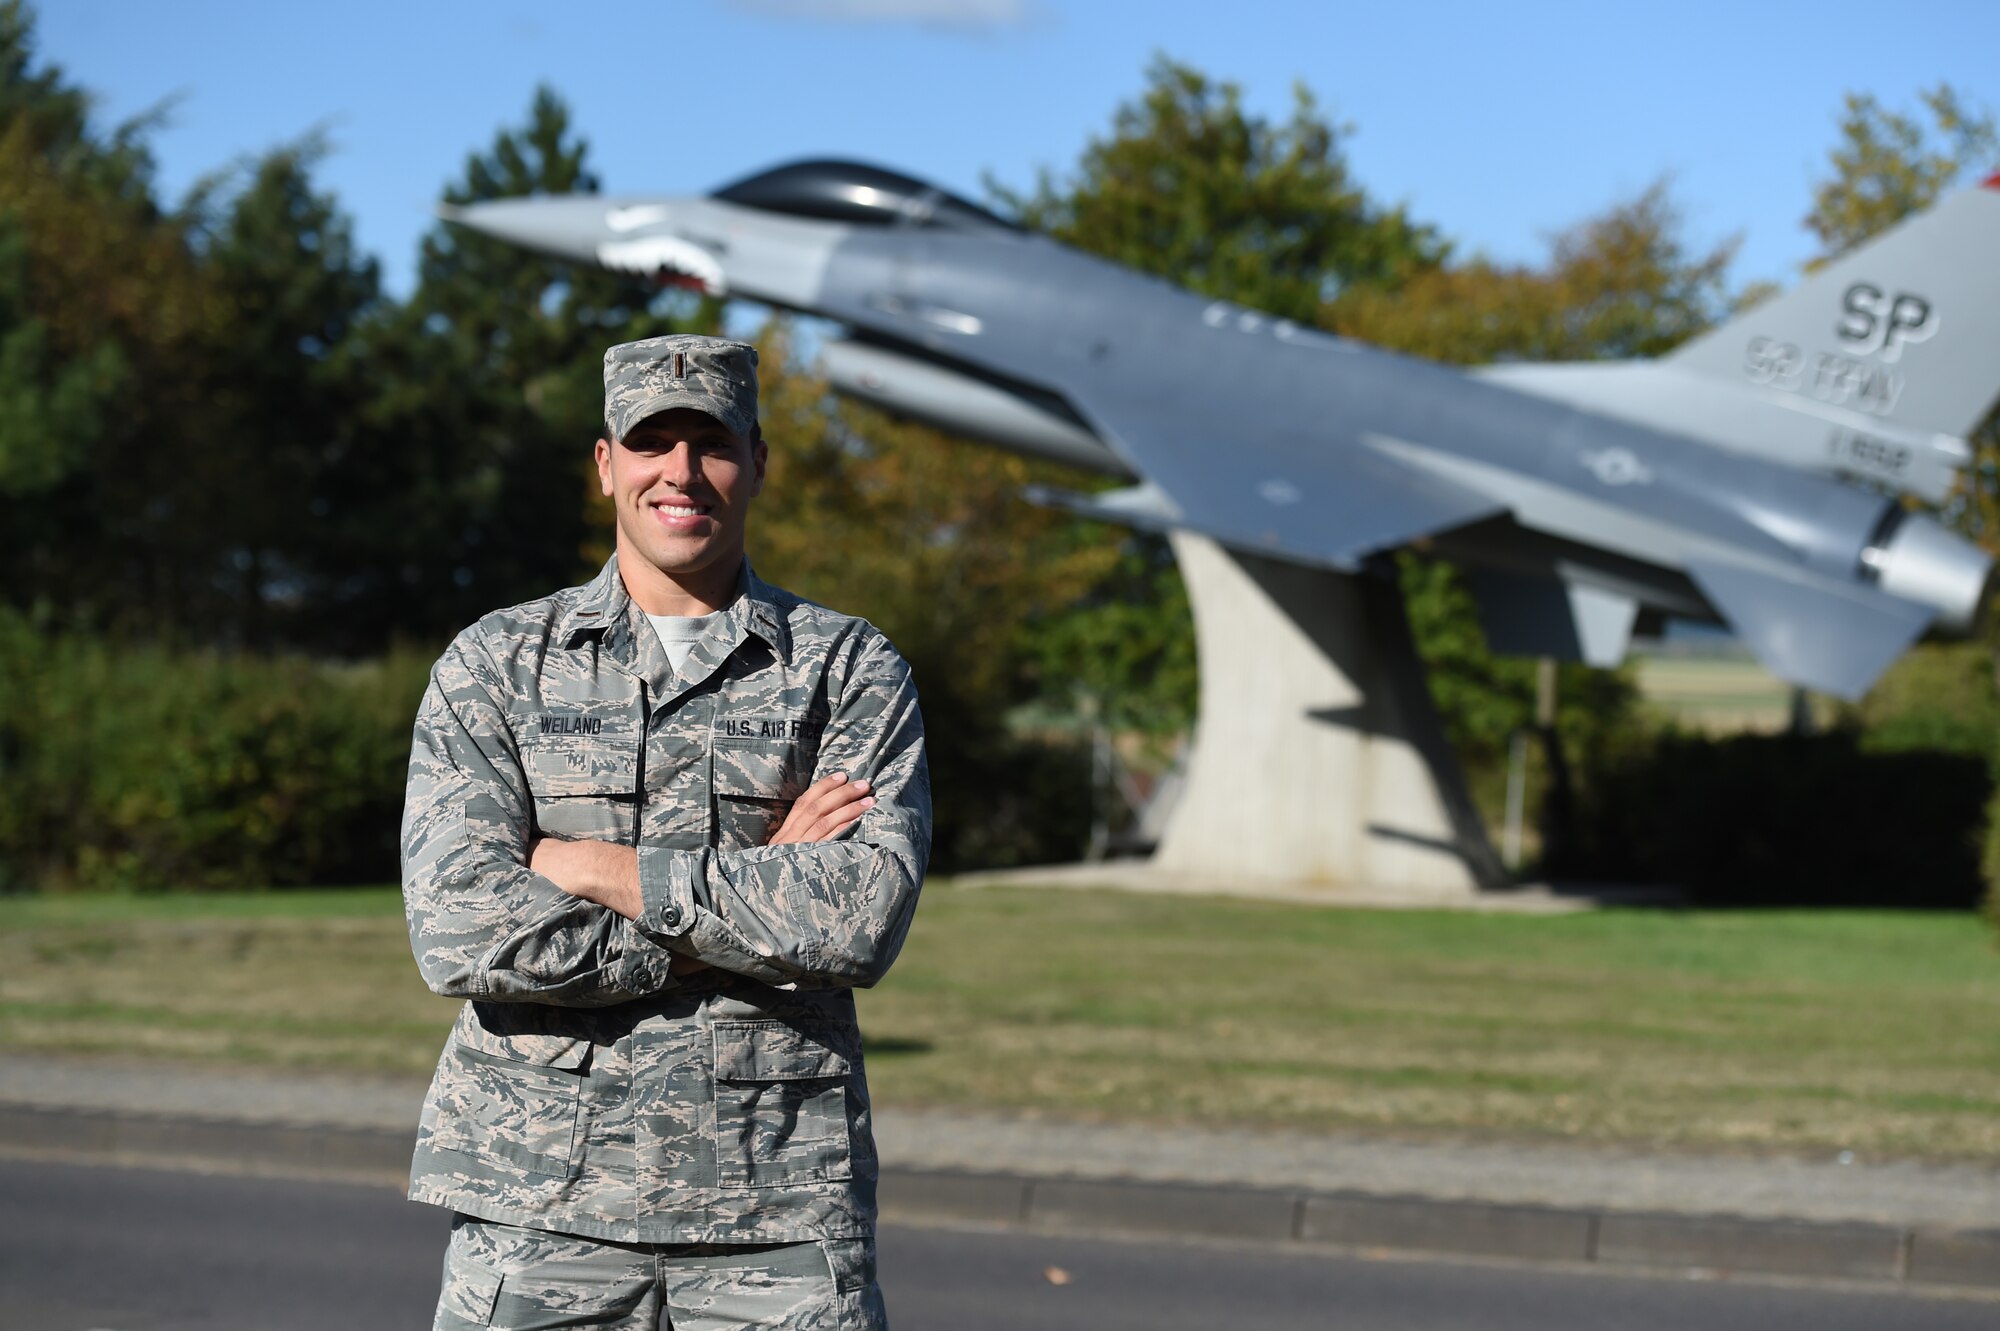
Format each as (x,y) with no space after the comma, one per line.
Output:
(1878,324)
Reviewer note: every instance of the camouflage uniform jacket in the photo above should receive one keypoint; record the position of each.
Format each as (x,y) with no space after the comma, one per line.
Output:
(584,1088)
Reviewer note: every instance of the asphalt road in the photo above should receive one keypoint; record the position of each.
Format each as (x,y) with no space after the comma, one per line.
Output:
(90,1247)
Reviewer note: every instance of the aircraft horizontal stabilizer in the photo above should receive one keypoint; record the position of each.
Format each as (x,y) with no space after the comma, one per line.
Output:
(1828,636)
(1292,496)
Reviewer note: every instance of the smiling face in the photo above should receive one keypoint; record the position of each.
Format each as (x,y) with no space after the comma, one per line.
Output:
(681,483)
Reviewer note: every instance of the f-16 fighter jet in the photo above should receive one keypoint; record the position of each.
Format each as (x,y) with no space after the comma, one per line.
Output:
(1583,498)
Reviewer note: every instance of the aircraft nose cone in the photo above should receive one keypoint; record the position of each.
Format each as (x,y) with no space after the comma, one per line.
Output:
(571,227)
(637,236)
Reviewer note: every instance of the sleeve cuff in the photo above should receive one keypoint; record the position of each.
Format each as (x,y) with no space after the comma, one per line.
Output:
(666,892)
(644,966)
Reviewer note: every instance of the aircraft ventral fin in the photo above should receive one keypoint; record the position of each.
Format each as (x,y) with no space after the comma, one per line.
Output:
(1831,637)
(1571,621)
(1313,500)
(1142,506)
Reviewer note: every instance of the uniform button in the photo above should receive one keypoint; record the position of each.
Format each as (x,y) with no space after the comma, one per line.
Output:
(673,917)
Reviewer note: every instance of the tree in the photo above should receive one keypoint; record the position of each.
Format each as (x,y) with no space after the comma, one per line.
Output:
(102,305)
(53,117)
(1619,285)
(464,479)
(167,394)
(51,405)
(1888,165)
(926,536)
(52,381)
(249,495)
(1193,188)
(1885,166)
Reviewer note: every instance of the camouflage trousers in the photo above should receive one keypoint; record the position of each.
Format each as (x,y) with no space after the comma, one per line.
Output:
(527,1279)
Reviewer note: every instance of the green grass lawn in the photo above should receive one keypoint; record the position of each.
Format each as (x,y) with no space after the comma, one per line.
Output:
(1813,1030)
(309,978)
(1719,695)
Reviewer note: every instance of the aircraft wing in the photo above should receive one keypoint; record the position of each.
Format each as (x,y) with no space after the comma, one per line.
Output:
(1281,493)
(1309,500)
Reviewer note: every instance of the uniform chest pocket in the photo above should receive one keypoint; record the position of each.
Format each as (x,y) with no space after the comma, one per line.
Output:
(584,787)
(755,785)
(780,1105)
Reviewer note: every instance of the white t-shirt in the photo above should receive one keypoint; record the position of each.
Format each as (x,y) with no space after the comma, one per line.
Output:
(679,633)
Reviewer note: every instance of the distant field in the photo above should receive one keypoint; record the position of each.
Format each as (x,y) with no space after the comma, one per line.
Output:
(1715,695)
(1816,1031)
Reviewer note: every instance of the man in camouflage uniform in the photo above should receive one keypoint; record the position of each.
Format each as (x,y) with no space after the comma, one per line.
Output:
(657,881)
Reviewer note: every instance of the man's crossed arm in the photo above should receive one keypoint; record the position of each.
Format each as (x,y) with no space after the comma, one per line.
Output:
(608,873)
(495,916)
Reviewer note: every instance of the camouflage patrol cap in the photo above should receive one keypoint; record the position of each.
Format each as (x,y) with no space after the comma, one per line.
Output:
(709,374)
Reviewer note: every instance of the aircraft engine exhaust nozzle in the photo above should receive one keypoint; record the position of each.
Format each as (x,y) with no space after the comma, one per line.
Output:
(1915,558)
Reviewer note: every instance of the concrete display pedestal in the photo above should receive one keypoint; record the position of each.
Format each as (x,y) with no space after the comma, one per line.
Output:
(1318,757)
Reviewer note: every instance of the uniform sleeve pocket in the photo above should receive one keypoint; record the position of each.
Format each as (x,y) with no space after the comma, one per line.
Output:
(780,1105)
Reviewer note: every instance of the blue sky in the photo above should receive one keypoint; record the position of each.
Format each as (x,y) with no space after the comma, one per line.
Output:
(1498,122)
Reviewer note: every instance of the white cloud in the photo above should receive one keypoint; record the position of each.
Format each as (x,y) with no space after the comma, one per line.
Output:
(983,15)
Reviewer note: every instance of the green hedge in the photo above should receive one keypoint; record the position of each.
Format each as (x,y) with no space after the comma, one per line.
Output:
(1896,805)
(1805,820)
(146,768)
(1943,698)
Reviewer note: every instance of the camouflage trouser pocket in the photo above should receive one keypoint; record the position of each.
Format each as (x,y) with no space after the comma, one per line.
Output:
(853,1264)
(522,1113)
(780,1106)
(470,1287)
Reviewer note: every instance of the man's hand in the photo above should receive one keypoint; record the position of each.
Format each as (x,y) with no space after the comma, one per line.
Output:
(826,810)
(602,872)
(594,870)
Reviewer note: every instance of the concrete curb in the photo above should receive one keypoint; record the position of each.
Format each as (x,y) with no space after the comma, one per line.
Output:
(1918,1257)
(229,1146)
(1716,1244)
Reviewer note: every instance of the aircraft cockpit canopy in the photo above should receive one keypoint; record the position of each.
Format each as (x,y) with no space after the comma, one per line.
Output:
(858,195)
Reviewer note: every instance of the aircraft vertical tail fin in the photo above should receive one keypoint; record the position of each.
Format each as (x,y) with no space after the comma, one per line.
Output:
(1900,330)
